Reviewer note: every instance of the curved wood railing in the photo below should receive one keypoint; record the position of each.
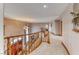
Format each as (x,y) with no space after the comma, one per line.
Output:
(15,45)
(46,36)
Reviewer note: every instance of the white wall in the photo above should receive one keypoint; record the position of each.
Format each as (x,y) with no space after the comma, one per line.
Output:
(52,28)
(1,30)
(70,38)
(36,27)
(67,29)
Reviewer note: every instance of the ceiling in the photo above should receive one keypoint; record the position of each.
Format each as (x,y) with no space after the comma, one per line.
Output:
(34,12)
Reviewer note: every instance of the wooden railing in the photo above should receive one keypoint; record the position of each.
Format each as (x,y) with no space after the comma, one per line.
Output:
(15,45)
(46,36)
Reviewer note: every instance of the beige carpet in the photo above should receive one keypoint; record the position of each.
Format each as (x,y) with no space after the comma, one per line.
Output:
(55,48)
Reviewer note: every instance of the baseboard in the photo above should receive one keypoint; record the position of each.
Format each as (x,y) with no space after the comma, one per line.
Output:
(65,48)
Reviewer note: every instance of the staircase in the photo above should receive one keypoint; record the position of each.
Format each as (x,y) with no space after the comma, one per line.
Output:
(54,48)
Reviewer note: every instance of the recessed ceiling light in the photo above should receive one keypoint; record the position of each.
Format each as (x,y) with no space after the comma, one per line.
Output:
(45,6)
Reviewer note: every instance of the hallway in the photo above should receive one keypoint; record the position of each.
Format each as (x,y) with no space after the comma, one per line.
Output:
(28,30)
(54,48)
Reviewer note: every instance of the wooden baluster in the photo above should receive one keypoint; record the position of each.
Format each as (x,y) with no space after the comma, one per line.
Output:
(17,46)
(23,45)
(48,35)
(34,44)
(8,47)
(38,35)
(41,36)
(30,44)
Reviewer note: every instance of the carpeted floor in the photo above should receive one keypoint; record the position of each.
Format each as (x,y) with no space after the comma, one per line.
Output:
(55,48)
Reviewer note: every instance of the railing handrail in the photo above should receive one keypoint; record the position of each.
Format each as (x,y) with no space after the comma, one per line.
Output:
(20,35)
(32,44)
